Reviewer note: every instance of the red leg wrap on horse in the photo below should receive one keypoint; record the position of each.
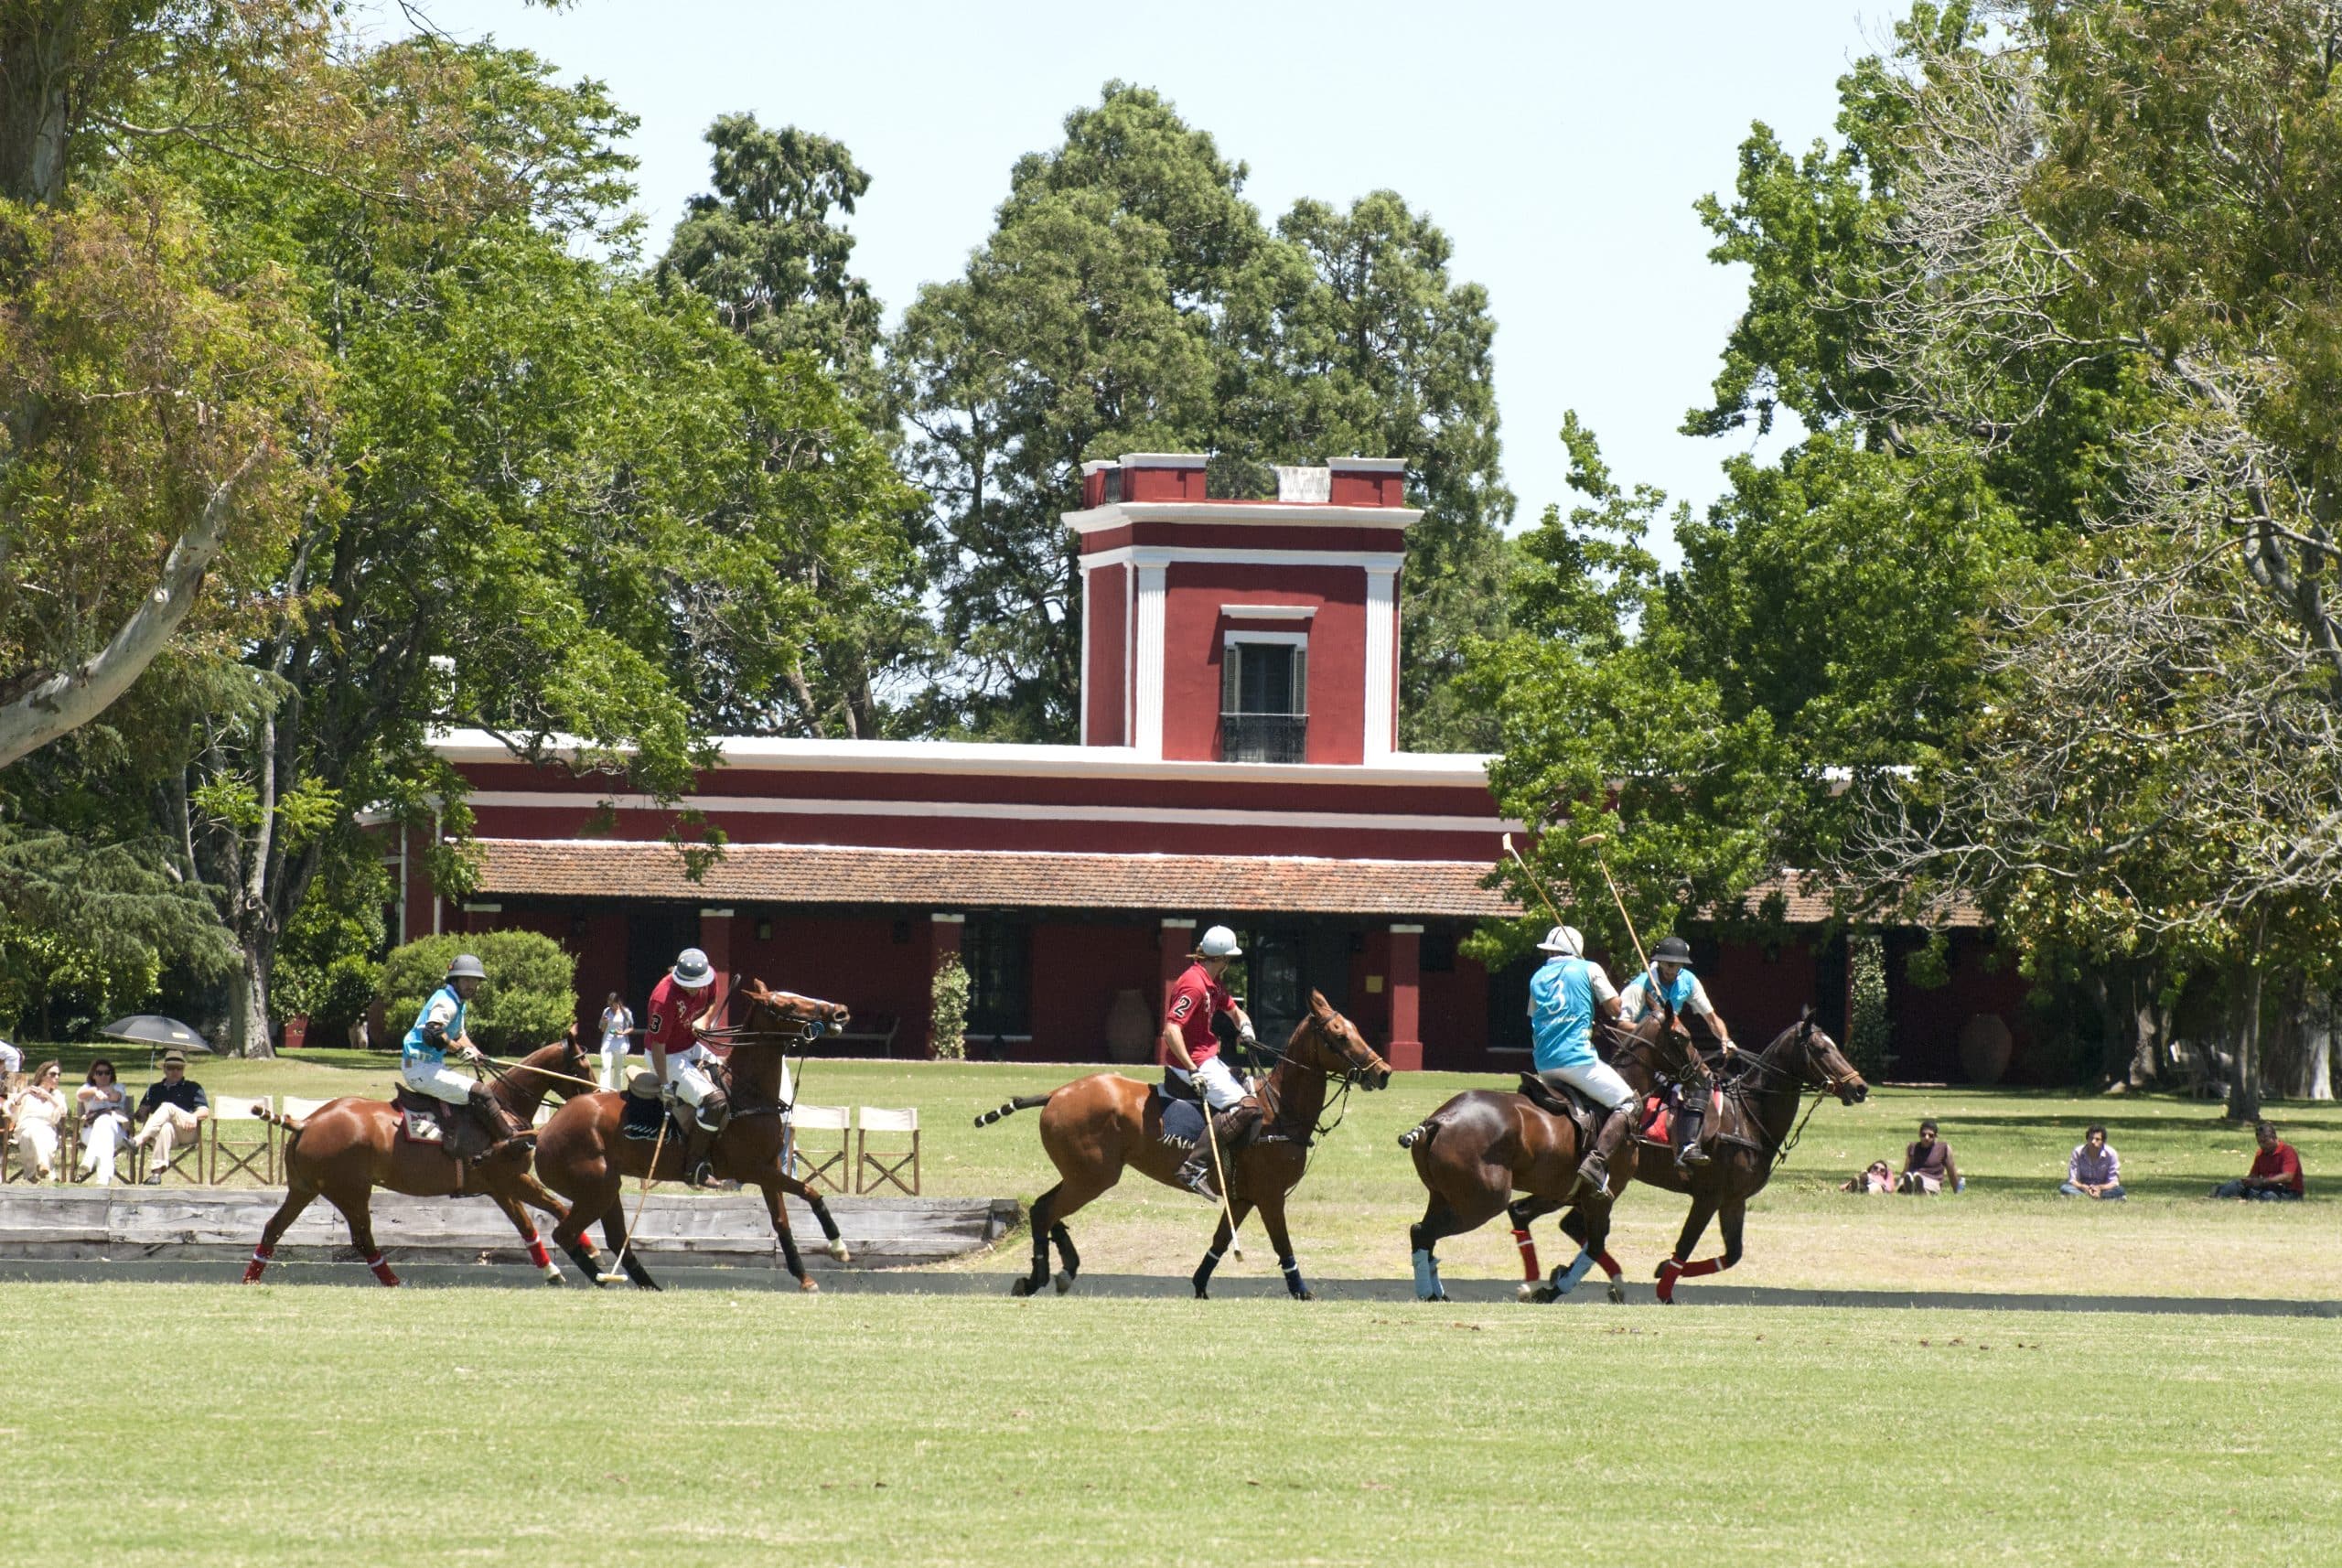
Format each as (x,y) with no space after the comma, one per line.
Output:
(538,1255)
(1704,1266)
(381,1270)
(260,1262)
(1529,1270)
(1609,1265)
(1668,1272)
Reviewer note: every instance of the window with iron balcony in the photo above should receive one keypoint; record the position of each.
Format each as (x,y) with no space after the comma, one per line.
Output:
(1263,699)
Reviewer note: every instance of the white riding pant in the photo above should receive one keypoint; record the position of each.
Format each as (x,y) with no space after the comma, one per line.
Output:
(438,1080)
(1215,1083)
(688,1079)
(1598,1081)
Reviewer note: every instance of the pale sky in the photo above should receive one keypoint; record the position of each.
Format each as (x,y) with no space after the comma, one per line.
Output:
(1558,145)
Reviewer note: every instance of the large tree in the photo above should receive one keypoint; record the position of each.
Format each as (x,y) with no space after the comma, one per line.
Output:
(1130,298)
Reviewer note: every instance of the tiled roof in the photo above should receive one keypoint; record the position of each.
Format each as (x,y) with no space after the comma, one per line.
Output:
(1808,901)
(825,874)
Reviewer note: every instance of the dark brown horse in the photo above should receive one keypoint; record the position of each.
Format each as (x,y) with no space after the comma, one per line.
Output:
(345,1148)
(1095,1127)
(582,1154)
(1758,1124)
(1484,1144)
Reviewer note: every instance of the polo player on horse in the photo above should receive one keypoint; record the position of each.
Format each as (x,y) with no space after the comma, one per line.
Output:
(1192,1054)
(1669,983)
(441,1026)
(1565,995)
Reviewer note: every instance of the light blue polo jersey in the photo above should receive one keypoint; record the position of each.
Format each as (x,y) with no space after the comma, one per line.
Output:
(1678,995)
(419,1048)
(1561,1012)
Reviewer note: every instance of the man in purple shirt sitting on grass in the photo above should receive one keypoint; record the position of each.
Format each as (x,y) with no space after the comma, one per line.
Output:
(2094,1169)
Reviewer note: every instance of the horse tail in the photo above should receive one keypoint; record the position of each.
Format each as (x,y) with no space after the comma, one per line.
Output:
(1421,1132)
(1022,1102)
(293,1128)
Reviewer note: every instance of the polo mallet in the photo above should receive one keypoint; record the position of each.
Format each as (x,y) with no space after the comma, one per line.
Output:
(616,1273)
(1588,841)
(1219,1175)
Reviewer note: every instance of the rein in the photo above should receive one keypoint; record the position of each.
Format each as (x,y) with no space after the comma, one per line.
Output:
(1743,1092)
(1273,1110)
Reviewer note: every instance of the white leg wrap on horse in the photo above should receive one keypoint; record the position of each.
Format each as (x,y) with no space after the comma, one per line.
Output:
(1568,1279)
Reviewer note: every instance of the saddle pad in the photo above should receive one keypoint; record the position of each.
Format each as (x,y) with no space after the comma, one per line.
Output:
(1183,1120)
(418,1126)
(640,1118)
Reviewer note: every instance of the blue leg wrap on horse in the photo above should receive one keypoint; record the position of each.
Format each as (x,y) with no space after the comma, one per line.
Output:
(1426,1275)
(1566,1281)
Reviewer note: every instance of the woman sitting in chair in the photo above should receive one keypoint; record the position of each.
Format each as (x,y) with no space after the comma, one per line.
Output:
(105,1121)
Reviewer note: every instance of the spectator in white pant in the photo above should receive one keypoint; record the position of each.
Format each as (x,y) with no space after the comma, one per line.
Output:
(105,1121)
(35,1115)
(12,1061)
(172,1109)
(618,1031)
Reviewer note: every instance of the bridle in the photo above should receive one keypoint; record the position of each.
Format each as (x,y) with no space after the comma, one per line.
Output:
(1831,1083)
(1351,1075)
(792,1032)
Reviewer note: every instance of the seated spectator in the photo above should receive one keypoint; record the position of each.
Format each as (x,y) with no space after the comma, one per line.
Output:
(2093,1169)
(1928,1165)
(35,1115)
(105,1121)
(2276,1173)
(171,1110)
(12,1061)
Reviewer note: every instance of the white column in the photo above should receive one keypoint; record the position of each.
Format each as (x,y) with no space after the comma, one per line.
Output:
(1147,643)
(1382,662)
(1081,686)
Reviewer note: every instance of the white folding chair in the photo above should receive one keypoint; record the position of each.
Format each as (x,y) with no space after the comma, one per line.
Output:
(298,1108)
(823,1166)
(232,1149)
(871,1171)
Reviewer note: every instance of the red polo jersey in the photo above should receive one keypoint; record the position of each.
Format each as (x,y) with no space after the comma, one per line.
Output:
(1195,998)
(672,1008)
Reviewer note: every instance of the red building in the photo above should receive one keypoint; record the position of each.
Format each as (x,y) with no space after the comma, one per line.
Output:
(1238,763)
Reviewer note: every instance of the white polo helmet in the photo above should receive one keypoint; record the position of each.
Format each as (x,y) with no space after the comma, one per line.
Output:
(1566,939)
(1219,942)
(692,970)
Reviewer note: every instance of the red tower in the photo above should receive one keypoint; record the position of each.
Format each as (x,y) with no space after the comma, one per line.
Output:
(1242,630)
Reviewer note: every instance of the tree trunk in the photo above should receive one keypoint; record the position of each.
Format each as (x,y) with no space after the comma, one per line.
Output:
(2244,1086)
(2147,1020)
(249,1018)
(38,44)
(2295,1057)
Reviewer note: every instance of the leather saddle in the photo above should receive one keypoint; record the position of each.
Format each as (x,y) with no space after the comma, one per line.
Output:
(453,1128)
(1587,1116)
(643,1112)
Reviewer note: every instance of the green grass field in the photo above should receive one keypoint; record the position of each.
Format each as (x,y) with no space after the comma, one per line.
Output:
(2009,1231)
(167,1424)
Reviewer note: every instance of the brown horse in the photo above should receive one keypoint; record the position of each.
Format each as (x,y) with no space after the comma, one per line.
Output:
(1482,1146)
(1757,1126)
(1095,1127)
(345,1148)
(582,1153)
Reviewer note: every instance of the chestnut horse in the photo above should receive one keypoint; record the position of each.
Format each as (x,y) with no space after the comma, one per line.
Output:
(345,1148)
(582,1154)
(1758,1127)
(1095,1127)
(1480,1147)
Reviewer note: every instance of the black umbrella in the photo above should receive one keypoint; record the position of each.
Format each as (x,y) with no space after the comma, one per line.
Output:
(154,1030)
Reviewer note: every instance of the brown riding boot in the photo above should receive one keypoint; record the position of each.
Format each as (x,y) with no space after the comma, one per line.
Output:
(1233,1129)
(1594,1171)
(503,1126)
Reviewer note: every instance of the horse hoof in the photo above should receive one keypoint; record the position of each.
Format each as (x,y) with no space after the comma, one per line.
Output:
(807,1285)
(1202,1293)
(553,1277)
(1023,1286)
(1064,1283)
(1618,1293)
(1539,1295)
(838,1250)
(1305,1294)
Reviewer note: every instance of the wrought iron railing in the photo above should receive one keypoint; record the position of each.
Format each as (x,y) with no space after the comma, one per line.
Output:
(1264,737)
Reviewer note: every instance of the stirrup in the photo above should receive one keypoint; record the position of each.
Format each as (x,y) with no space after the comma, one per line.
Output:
(702,1174)
(1593,1177)
(1199,1182)
(1690,1154)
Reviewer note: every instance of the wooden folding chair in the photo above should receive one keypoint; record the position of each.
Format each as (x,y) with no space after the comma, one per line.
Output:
(873,1171)
(822,1166)
(298,1108)
(232,1149)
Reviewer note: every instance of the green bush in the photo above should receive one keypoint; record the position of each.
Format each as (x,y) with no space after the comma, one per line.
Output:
(530,997)
(326,965)
(1869,1032)
(950,998)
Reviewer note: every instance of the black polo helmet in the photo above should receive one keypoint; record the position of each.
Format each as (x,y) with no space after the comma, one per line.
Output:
(1672,950)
